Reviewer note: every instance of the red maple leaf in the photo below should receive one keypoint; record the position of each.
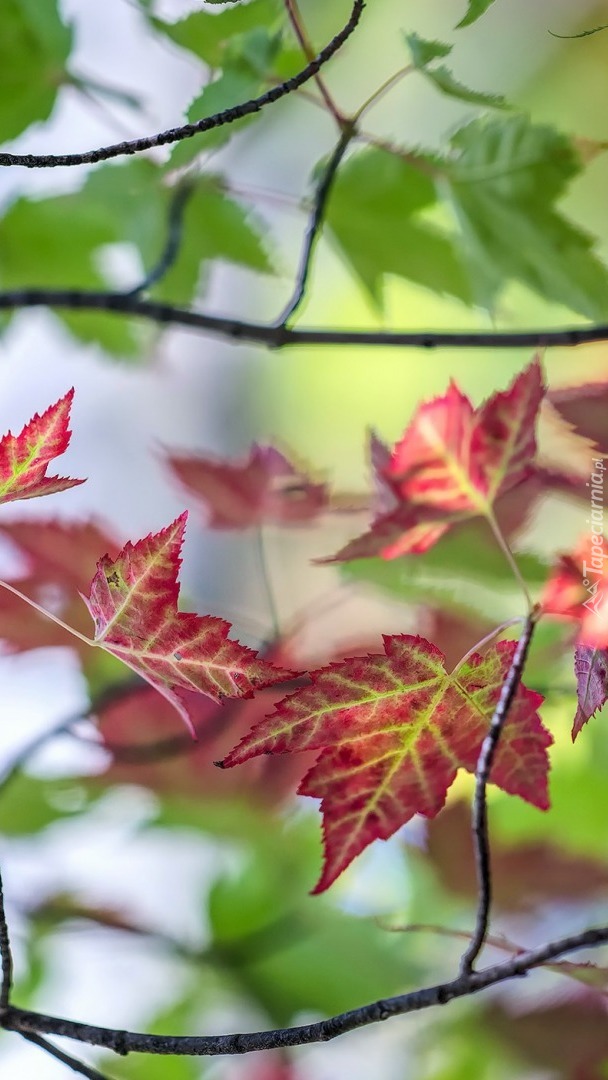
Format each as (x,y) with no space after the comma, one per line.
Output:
(393,730)
(264,488)
(133,600)
(24,458)
(453,462)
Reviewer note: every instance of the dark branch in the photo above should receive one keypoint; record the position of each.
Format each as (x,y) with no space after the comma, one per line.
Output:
(6,958)
(277,337)
(316,221)
(126,1042)
(480,806)
(227,116)
(175,228)
(66,1059)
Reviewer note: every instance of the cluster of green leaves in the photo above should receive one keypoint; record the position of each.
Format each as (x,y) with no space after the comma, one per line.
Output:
(466,221)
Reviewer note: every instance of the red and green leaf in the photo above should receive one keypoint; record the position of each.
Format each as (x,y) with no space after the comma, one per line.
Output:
(453,462)
(24,458)
(393,730)
(133,600)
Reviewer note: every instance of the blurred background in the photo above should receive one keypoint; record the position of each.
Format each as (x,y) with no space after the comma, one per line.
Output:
(146,896)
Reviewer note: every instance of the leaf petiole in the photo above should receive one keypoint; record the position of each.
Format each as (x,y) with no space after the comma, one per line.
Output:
(486,640)
(47,614)
(504,547)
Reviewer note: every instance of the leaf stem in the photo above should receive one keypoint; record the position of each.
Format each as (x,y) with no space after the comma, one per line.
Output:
(268,591)
(387,85)
(485,640)
(504,547)
(47,614)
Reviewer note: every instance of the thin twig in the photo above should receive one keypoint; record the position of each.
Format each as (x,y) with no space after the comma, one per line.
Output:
(66,1059)
(126,1042)
(6,957)
(278,337)
(293,13)
(315,224)
(173,135)
(480,806)
(175,229)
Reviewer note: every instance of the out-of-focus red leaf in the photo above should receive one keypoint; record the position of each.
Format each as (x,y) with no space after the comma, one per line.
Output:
(586,409)
(273,1066)
(264,488)
(59,561)
(393,730)
(578,589)
(149,747)
(133,600)
(24,458)
(523,876)
(453,462)
(568,1040)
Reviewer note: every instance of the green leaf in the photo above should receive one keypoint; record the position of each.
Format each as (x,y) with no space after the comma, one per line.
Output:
(443,79)
(502,184)
(475,10)
(56,242)
(248,60)
(209,35)
(288,952)
(34,47)
(234,85)
(424,52)
(52,243)
(28,805)
(306,972)
(376,216)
